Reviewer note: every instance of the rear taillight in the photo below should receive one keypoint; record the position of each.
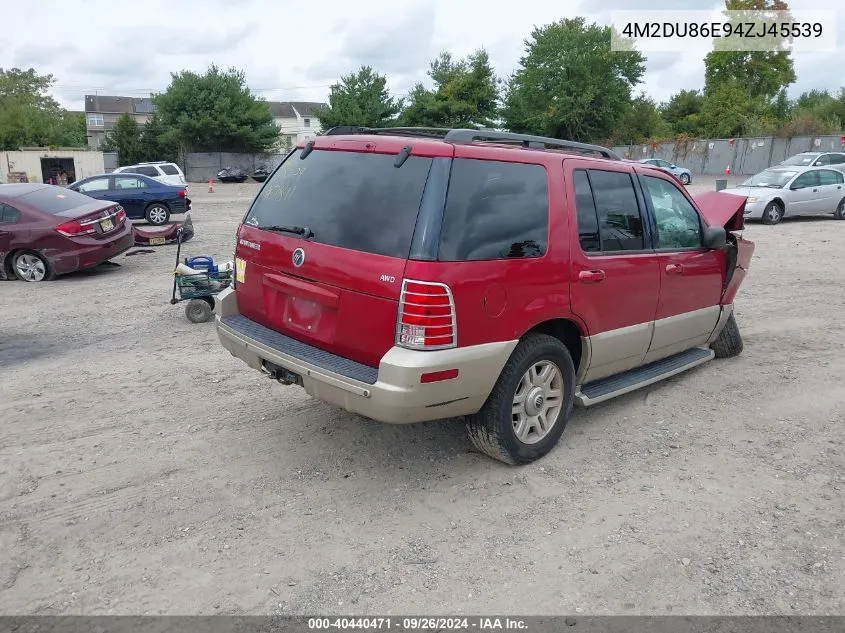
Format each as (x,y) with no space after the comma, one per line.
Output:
(182,193)
(74,229)
(121,215)
(426,316)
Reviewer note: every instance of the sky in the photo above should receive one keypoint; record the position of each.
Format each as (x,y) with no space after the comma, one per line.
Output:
(294,51)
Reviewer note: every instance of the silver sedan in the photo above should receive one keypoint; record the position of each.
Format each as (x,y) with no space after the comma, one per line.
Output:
(786,191)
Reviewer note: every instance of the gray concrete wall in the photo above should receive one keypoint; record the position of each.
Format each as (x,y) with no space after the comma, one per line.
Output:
(199,167)
(745,156)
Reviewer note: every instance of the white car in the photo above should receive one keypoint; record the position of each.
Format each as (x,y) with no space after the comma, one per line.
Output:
(168,173)
(782,191)
(816,159)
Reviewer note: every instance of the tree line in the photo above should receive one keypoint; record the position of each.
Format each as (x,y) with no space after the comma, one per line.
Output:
(568,84)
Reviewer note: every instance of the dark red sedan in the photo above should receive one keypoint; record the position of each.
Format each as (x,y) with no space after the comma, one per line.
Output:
(47,231)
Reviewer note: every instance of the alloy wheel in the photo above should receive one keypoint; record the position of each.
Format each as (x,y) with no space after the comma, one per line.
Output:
(30,267)
(537,402)
(158,215)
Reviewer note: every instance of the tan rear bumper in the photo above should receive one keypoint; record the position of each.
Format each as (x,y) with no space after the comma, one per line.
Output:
(397,396)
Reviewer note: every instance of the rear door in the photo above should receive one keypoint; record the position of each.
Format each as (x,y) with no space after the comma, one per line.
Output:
(802,197)
(691,276)
(172,174)
(830,189)
(615,278)
(130,191)
(326,242)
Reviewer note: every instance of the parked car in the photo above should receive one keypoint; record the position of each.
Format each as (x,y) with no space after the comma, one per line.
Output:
(407,278)
(164,172)
(816,159)
(683,174)
(142,197)
(780,192)
(46,231)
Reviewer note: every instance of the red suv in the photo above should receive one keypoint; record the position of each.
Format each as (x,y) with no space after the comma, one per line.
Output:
(416,274)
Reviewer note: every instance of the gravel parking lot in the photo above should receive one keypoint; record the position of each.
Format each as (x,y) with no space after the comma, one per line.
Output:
(144,470)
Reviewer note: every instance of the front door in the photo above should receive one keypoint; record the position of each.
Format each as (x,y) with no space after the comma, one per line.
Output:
(614,272)
(95,187)
(691,276)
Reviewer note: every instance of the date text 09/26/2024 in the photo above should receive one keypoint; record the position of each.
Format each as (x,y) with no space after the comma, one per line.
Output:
(417,624)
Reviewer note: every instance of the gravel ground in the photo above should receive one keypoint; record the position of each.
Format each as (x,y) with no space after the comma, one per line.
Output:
(144,470)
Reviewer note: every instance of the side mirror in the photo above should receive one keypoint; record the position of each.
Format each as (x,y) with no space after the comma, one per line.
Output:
(715,237)
(796,187)
(673,166)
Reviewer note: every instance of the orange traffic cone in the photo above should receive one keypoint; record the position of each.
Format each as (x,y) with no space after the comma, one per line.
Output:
(210,185)
(728,170)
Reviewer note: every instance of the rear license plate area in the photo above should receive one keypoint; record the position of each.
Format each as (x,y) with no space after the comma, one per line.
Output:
(157,241)
(107,225)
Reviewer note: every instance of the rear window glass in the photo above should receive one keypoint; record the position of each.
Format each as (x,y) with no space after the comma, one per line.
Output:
(170,170)
(495,210)
(55,199)
(353,200)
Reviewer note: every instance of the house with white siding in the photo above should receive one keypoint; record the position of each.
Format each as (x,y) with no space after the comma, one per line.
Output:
(297,120)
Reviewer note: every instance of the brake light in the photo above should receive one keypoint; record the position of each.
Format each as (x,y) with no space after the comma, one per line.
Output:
(426,318)
(74,229)
(182,193)
(121,215)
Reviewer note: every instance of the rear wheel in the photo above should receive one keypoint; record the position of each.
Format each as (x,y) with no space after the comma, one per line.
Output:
(773,213)
(729,341)
(839,214)
(157,214)
(526,412)
(198,310)
(31,266)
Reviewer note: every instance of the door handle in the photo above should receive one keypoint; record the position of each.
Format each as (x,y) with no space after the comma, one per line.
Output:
(591,276)
(815,190)
(674,269)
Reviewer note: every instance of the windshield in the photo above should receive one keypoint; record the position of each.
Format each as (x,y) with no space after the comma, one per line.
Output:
(800,159)
(776,178)
(354,200)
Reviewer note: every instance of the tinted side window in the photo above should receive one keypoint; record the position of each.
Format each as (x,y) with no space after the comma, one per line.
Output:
(678,225)
(837,159)
(144,170)
(620,222)
(8,215)
(830,177)
(170,170)
(809,179)
(495,210)
(585,207)
(824,159)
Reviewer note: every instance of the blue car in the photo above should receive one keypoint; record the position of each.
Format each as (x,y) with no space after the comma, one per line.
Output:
(681,173)
(142,198)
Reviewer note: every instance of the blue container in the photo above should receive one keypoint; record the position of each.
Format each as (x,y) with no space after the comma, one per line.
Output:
(204,263)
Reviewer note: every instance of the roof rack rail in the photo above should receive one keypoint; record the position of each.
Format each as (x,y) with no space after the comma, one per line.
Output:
(433,132)
(526,140)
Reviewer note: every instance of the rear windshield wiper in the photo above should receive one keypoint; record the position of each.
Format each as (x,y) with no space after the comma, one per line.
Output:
(304,231)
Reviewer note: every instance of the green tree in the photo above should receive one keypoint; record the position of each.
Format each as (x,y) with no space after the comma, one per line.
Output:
(570,83)
(762,73)
(360,99)
(155,143)
(465,94)
(29,116)
(215,112)
(125,139)
(683,112)
(641,121)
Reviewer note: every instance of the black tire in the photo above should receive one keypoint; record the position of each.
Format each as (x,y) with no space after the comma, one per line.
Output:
(157,213)
(686,179)
(491,430)
(30,255)
(729,342)
(198,311)
(773,213)
(839,214)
